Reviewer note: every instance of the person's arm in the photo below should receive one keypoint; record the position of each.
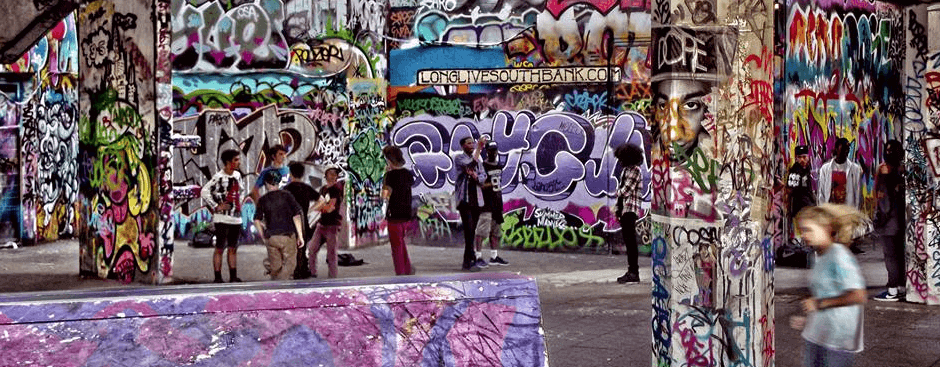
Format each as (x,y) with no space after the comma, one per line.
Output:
(260,226)
(300,230)
(849,298)
(206,195)
(479,148)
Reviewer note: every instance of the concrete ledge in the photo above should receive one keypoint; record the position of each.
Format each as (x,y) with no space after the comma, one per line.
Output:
(491,319)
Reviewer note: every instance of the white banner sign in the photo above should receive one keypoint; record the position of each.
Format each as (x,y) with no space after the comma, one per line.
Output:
(564,75)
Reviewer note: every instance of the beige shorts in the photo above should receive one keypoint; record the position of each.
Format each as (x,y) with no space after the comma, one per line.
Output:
(486,227)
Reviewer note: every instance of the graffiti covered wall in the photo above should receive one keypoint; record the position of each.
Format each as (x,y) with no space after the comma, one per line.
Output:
(40,132)
(921,131)
(842,62)
(556,85)
(712,128)
(252,75)
(117,141)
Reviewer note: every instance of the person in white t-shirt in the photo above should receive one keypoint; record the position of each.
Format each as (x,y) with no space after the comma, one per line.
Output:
(223,196)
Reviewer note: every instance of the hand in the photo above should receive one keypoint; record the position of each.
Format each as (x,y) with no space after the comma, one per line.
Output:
(810,305)
(300,242)
(798,322)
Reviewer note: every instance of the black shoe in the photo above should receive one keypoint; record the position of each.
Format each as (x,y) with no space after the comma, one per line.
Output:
(235,280)
(498,261)
(629,278)
(218,280)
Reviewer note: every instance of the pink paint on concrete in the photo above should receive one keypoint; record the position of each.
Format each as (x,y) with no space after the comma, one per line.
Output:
(477,337)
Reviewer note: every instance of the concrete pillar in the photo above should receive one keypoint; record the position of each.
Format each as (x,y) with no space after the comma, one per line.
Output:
(119,206)
(713,139)
(921,112)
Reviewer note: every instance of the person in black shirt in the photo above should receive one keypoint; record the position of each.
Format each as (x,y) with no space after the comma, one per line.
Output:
(278,219)
(329,223)
(799,183)
(397,190)
(304,194)
(491,214)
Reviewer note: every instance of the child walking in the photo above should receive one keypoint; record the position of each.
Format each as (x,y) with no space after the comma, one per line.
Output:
(834,322)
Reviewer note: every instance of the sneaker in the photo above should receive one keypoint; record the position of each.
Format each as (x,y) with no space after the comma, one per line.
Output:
(482,264)
(888,297)
(498,261)
(472,268)
(629,278)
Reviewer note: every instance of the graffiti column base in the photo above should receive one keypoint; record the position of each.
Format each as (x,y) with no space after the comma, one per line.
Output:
(474,319)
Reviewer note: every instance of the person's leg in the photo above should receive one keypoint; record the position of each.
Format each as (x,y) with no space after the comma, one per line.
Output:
(331,250)
(838,358)
(813,355)
(234,231)
(286,247)
(271,263)
(221,240)
(313,247)
(396,235)
(302,268)
(468,219)
(628,224)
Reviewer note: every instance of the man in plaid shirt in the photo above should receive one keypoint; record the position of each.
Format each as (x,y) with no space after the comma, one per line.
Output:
(628,205)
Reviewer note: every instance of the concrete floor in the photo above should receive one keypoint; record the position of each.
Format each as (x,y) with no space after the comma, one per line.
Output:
(589,319)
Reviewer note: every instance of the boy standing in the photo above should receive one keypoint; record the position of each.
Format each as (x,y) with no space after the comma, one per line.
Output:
(222,194)
(491,215)
(278,222)
(329,223)
(277,154)
(304,194)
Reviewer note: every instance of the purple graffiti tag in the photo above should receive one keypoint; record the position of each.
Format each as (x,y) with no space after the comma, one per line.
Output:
(424,142)
(561,143)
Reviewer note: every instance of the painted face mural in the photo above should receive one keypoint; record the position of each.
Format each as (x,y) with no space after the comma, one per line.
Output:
(680,111)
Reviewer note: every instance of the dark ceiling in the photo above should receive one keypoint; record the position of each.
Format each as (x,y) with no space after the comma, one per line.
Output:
(26,21)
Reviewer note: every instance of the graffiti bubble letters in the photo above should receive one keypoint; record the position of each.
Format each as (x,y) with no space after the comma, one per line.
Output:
(549,155)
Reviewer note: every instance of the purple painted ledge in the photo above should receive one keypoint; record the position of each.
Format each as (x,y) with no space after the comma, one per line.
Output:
(491,319)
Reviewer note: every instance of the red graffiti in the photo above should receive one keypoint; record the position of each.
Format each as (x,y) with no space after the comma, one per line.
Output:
(556,7)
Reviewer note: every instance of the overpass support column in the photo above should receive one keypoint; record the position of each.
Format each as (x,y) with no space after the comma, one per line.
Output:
(713,148)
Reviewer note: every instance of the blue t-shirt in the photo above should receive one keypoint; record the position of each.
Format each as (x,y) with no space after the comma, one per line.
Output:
(839,328)
(283,171)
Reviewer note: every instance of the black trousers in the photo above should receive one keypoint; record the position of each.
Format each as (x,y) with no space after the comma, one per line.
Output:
(469,215)
(628,229)
(894,259)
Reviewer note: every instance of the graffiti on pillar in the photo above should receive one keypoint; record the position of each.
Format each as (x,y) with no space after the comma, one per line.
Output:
(712,135)
(313,38)
(368,122)
(116,156)
(921,132)
(10,172)
(46,143)
(165,149)
(50,146)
